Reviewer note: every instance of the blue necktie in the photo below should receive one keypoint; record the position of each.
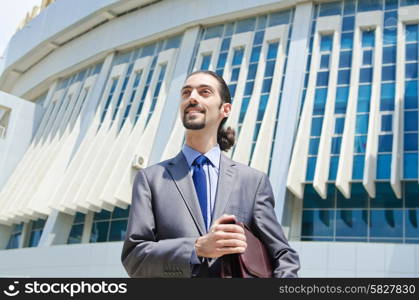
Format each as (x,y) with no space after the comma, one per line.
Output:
(200,182)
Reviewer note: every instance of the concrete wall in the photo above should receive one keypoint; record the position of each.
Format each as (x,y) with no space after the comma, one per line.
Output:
(318,259)
(20,130)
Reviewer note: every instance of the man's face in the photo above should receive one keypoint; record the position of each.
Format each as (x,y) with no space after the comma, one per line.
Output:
(201,105)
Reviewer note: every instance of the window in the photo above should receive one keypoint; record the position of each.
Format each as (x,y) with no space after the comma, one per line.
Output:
(36,232)
(15,237)
(109,226)
(76,232)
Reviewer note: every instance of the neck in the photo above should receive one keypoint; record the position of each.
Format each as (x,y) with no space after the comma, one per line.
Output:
(200,140)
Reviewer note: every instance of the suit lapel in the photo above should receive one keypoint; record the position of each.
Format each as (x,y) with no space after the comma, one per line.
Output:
(224,187)
(179,170)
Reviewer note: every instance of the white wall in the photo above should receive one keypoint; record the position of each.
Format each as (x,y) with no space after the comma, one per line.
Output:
(20,129)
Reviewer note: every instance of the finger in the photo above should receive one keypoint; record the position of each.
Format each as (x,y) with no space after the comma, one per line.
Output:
(231,243)
(227,228)
(225,219)
(230,250)
(221,235)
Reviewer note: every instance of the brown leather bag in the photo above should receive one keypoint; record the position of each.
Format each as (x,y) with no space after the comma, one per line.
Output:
(253,263)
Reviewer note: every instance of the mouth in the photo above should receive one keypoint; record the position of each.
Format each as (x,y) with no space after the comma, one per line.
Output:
(194,111)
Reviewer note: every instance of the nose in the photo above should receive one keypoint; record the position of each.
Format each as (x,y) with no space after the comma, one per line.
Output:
(193,97)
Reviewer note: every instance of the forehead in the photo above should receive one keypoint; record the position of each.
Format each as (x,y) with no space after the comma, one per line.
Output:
(201,79)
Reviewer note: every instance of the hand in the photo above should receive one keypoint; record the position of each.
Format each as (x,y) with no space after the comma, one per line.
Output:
(222,239)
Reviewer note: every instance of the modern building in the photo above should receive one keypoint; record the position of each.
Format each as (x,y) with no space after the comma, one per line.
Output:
(325,100)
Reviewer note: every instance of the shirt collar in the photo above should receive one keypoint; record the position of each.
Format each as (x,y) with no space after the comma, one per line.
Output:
(213,155)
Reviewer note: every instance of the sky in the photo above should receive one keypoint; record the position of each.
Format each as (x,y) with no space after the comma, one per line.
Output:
(11,13)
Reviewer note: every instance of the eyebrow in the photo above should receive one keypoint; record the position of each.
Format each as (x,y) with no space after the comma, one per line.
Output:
(199,86)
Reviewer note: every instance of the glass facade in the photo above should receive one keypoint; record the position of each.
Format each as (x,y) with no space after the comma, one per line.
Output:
(109,226)
(76,232)
(15,237)
(36,232)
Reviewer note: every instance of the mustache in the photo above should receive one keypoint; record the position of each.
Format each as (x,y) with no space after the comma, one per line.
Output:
(194,106)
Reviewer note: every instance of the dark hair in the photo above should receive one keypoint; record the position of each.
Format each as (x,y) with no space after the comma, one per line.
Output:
(225,137)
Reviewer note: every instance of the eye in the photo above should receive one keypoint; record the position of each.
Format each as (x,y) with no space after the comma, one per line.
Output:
(185,92)
(206,91)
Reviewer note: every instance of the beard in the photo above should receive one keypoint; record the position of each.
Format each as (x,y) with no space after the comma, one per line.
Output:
(193,123)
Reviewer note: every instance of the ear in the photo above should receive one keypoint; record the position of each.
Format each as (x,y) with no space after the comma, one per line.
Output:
(226,109)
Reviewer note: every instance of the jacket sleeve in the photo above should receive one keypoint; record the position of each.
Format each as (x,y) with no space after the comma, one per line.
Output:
(143,255)
(285,259)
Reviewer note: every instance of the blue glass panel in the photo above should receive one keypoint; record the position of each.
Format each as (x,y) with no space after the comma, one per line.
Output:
(365,75)
(411,121)
(269,68)
(266,86)
(245,25)
(390,19)
(279,18)
(351,222)
(386,123)
(385,197)
(364,95)
(252,71)
(412,223)
(232,88)
(238,56)
(390,36)
(255,134)
(102,215)
(79,218)
(311,166)
(254,57)
(361,124)
(235,74)
(330,9)
(387,96)
(118,230)
(261,22)
(222,60)
(348,23)
(411,52)
(212,32)
(38,224)
(411,194)
(326,43)
(370,5)
(345,59)
(410,142)
(311,198)
(229,29)
(383,166)
(368,39)
(75,234)
(322,79)
(360,144)
(341,99)
(333,170)
(391,4)
(386,223)
(389,55)
(411,33)
(14,241)
(99,232)
(411,71)
(225,45)
(336,142)
(358,199)
(385,143)
(272,50)
(245,104)
(346,40)
(410,168)
(34,238)
(119,213)
(318,223)
(339,124)
(313,146)
(248,89)
(367,57)
(258,39)
(388,73)
(349,7)
(319,101)
(344,76)
(316,126)
(411,94)
(358,167)
(206,59)
(324,61)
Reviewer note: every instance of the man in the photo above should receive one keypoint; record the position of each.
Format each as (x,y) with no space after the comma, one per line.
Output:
(178,223)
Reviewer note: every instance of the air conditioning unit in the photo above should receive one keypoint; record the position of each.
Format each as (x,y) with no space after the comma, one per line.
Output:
(138,162)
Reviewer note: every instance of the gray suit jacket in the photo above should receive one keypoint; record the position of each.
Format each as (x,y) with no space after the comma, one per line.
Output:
(165,219)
